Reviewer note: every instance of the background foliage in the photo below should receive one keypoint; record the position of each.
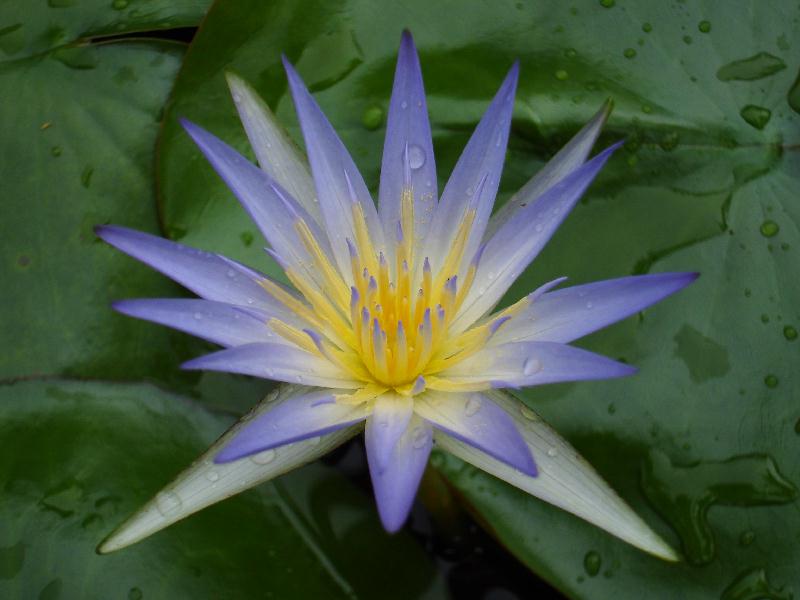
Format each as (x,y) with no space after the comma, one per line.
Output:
(703,442)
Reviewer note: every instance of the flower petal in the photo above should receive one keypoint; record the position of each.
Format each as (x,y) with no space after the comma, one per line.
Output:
(570,313)
(298,418)
(475,419)
(275,361)
(480,162)
(569,158)
(217,322)
(396,481)
(387,423)
(521,364)
(565,479)
(270,206)
(205,483)
(408,131)
(520,239)
(209,275)
(336,177)
(277,154)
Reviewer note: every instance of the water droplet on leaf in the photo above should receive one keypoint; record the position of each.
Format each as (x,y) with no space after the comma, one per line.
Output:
(756,116)
(592,563)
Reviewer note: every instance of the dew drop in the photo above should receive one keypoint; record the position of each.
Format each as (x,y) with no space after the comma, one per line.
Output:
(769,228)
(372,117)
(629,53)
(237,98)
(250,301)
(771,381)
(561,75)
(419,438)
(212,476)
(416,157)
(168,503)
(746,538)
(790,333)
(527,413)
(704,26)
(647,27)
(135,594)
(404,105)
(607,3)
(538,227)
(756,116)
(755,67)
(472,406)
(592,563)
(86,176)
(589,306)
(231,273)
(263,458)
(55,150)
(198,316)
(119,4)
(314,441)
(531,366)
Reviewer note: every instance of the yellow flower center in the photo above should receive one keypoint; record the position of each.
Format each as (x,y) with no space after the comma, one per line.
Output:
(390,329)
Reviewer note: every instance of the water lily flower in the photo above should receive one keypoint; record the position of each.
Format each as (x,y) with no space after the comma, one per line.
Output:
(388,325)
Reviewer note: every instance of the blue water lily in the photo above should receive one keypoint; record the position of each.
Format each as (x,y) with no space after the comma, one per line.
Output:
(388,326)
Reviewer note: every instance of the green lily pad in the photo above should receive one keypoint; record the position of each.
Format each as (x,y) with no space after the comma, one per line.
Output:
(79,123)
(708,181)
(88,454)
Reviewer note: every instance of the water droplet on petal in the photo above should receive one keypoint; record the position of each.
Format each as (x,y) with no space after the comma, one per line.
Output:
(263,458)
(314,441)
(531,366)
(404,105)
(168,503)
(416,157)
(198,316)
(231,273)
(212,476)
(552,452)
(419,437)
(237,98)
(472,406)
(528,413)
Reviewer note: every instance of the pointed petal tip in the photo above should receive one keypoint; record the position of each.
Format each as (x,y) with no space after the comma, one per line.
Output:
(391,524)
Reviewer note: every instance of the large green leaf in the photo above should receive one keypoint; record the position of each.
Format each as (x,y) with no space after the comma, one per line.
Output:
(87,454)
(707,97)
(79,123)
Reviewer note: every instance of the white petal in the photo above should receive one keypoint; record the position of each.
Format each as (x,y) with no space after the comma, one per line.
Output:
(205,483)
(565,479)
(277,154)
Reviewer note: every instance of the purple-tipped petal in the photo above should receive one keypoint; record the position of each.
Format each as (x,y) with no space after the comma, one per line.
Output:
(387,423)
(520,364)
(520,239)
(270,206)
(217,322)
(474,418)
(569,158)
(570,313)
(206,274)
(296,419)
(276,361)
(277,154)
(408,140)
(336,177)
(396,480)
(482,159)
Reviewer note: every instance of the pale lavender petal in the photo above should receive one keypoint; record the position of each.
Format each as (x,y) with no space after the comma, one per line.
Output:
(270,206)
(519,240)
(474,418)
(387,423)
(217,322)
(569,158)
(408,139)
(338,182)
(475,178)
(570,313)
(395,482)
(276,361)
(298,418)
(205,482)
(209,275)
(277,154)
(520,364)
